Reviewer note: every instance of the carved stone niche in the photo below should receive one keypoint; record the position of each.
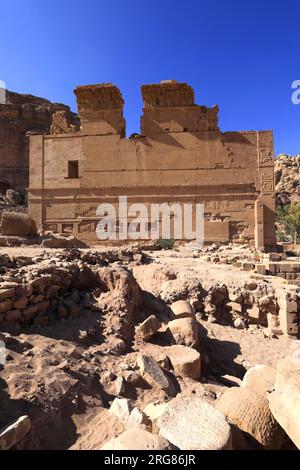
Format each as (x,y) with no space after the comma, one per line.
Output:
(100,108)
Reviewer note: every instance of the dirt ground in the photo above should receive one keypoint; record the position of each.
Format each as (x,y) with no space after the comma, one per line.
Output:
(61,378)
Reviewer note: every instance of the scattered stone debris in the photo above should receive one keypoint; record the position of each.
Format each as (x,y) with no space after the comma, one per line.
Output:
(135,352)
(137,438)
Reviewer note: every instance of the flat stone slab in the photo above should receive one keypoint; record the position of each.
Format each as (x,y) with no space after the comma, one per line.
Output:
(192,424)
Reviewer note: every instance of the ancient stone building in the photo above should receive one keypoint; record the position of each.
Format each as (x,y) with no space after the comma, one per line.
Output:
(18,115)
(180,155)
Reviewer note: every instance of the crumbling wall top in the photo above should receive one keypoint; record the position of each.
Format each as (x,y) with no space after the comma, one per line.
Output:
(100,109)
(168,93)
(100,97)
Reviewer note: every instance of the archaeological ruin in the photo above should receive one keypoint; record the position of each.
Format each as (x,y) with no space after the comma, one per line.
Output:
(21,114)
(180,155)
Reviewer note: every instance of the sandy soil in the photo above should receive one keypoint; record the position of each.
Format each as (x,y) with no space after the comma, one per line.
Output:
(58,378)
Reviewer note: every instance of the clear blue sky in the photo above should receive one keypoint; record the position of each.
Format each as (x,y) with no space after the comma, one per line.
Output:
(240,54)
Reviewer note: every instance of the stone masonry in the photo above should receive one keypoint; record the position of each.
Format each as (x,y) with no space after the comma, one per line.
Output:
(19,115)
(180,156)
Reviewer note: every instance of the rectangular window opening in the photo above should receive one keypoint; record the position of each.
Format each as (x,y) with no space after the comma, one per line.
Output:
(73,169)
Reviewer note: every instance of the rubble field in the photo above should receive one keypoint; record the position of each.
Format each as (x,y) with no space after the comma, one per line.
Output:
(115,348)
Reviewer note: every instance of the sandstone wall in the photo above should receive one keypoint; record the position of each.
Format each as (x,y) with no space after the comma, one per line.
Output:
(21,114)
(181,156)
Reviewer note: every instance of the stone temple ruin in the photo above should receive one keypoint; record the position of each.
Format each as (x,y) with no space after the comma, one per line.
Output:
(21,114)
(180,156)
(134,348)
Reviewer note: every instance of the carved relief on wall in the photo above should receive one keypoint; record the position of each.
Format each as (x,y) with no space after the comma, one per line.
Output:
(266,170)
(265,156)
(267,181)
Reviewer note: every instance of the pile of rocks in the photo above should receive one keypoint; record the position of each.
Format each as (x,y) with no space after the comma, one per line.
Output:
(287,179)
(261,413)
(11,199)
(45,288)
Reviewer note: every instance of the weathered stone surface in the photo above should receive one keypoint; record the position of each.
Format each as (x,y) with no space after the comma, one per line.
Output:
(121,282)
(260,379)
(285,400)
(62,123)
(5,305)
(287,179)
(154,375)
(137,438)
(6,293)
(148,328)
(253,314)
(251,414)
(239,324)
(20,303)
(120,386)
(192,424)
(13,316)
(21,114)
(182,309)
(184,331)
(186,130)
(13,198)
(17,224)
(274,325)
(121,408)
(138,418)
(185,361)
(12,434)
(155,410)
(116,346)
(62,242)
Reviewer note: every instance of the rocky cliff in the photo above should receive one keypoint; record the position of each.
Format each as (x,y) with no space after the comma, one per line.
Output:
(287,179)
(21,114)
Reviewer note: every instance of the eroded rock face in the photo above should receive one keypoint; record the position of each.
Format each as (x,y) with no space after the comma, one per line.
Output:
(62,123)
(287,179)
(19,115)
(121,282)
